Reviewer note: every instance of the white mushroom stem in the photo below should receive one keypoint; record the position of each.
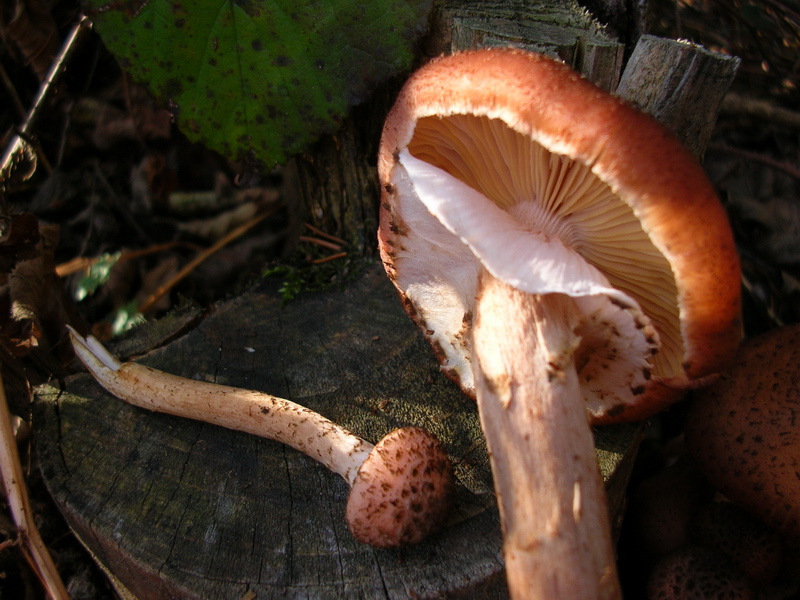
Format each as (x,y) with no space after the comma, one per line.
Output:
(234,408)
(400,489)
(557,539)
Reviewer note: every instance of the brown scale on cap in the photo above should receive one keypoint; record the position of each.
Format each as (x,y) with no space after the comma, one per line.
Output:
(755,549)
(403,490)
(697,573)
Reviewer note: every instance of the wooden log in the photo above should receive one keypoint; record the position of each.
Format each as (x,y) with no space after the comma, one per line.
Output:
(680,84)
(559,28)
(177,508)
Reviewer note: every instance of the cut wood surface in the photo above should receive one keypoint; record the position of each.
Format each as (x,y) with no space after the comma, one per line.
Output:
(177,508)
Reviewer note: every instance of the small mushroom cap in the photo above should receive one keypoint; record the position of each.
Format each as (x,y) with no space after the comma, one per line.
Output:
(697,573)
(744,433)
(752,547)
(402,492)
(662,505)
(567,162)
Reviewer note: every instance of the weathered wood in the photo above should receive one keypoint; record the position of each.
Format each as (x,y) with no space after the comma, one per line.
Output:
(680,84)
(176,508)
(559,28)
(335,184)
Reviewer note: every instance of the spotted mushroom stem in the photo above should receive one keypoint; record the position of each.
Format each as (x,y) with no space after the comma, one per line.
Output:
(556,531)
(400,489)
(249,411)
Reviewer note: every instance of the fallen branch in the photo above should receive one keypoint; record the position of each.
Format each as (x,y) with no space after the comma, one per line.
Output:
(19,145)
(19,504)
(734,104)
(202,257)
(768,161)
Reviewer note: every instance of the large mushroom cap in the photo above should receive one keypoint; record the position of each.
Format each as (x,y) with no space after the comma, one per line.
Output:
(531,146)
(744,431)
(402,492)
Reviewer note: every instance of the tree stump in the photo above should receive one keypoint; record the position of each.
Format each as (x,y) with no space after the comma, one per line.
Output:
(177,508)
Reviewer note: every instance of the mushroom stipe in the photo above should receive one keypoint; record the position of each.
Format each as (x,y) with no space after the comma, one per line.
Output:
(401,489)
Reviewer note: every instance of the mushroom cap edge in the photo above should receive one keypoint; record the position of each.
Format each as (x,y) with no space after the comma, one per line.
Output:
(643,163)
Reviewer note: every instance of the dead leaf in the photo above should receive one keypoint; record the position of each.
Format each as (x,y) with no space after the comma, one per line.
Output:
(39,309)
(33,31)
(141,121)
(19,235)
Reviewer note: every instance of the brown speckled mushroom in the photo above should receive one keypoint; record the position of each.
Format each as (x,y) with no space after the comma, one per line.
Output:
(568,260)
(400,489)
(755,549)
(744,430)
(697,573)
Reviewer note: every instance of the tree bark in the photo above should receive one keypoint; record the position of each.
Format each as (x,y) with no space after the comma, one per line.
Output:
(680,84)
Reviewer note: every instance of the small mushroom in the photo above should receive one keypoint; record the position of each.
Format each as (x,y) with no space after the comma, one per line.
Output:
(568,260)
(755,549)
(744,430)
(697,573)
(658,516)
(400,489)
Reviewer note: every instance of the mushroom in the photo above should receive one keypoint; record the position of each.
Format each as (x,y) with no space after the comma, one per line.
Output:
(568,260)
(754,549)
(661,506)
(400,489)
(697,573)
(743,431)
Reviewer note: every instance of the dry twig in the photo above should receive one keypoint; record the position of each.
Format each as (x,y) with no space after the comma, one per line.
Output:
(18,144)
(203,256)
(17,495)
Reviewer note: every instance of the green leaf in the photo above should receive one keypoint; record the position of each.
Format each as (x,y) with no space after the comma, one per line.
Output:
(95,276)
(260,78)
(126,317)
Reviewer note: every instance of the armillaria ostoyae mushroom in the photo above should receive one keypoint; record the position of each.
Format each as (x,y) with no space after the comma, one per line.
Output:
(400,489)
(568,261)
(744,430)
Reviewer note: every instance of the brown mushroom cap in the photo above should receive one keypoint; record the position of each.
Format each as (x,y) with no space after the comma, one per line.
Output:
(697,573)
(529,134)
(662,505)
(744,430)
(402,491)
(755,549)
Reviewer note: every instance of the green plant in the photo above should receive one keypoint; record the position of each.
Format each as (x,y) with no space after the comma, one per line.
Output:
(260,79)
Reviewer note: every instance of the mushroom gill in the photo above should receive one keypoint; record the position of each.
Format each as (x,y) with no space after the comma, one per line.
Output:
(558,196)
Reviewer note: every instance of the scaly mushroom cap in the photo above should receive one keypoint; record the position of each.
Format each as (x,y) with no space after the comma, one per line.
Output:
(743,431)
(402,491)
(755,549)
(697,573)
(637,223)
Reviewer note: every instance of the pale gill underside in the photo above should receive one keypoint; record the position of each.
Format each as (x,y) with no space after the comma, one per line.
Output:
(556,195)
